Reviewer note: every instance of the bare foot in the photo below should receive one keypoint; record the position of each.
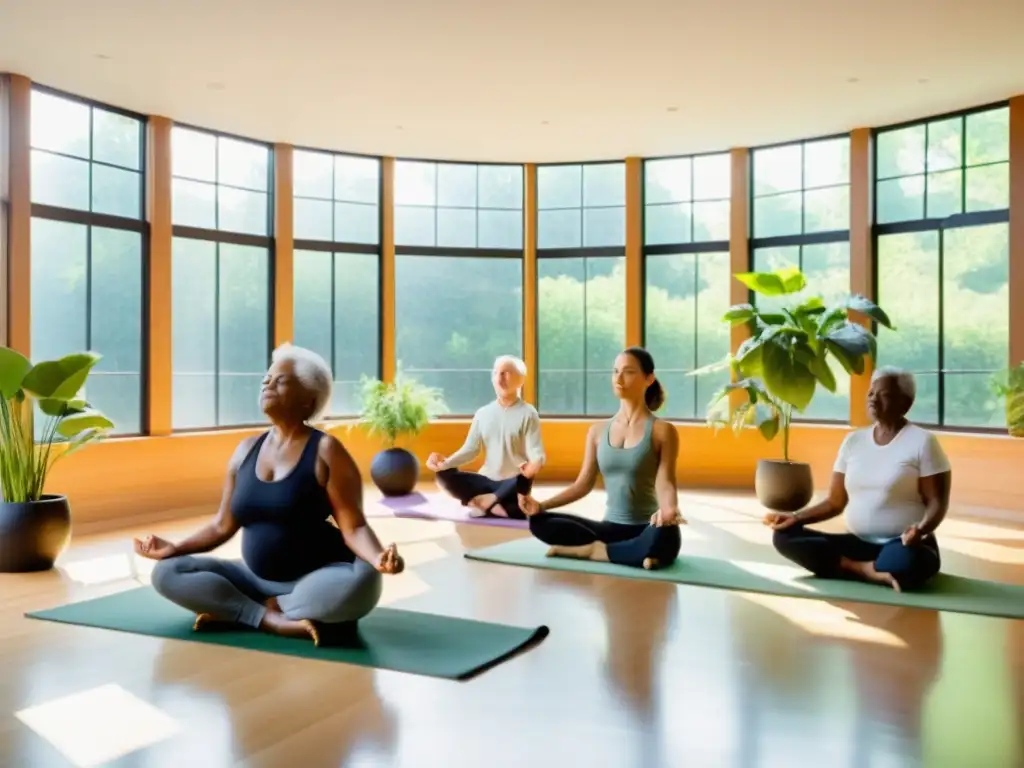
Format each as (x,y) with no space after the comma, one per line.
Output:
(651,564)
(276,623)
(867,572)
(272,604)
(485,504)
(596,551)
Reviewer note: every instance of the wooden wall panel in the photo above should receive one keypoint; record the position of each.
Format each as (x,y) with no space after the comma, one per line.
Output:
(1017,230)
(159,326)
(19,225)
(634,251)
(387,270)
(284,246)
(862,256)
(530,282)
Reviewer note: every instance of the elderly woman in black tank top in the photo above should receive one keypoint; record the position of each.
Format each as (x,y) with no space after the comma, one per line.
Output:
(636,453)
(300,575)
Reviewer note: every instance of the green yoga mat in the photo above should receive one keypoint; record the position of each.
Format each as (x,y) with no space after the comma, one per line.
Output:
(945,593)
(406,641)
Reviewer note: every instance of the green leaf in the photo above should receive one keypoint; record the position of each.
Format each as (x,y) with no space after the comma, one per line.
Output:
(852,364)
(777,283)
(857,340)
(787,379)
(811,306)
(834,317)
(749,356)
(715,367)
(60,379)
(822,372)
(769,319)
(72,425)
(740,313)
(59,408)
(13,367)
(865,306)
(766,419)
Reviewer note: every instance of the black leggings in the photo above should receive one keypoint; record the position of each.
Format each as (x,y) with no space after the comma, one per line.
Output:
(820,553)
(627,544)
(466,486)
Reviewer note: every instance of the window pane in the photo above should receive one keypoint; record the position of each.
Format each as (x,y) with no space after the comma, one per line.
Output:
(559,186)
(59,125)
(240,210)
(313,174)
(976,321)
(314,219)
(944,194)
(456,185)
(559,229)
(901,152)
(581,322)
(604,227)
(826,163)
(686,296)
(116,320)
(988,136)
(116,139)
(988,187)
(243,332)
(604,185)
(357,179)
(60,181)
(911,259)
(667,181)
(827,210)
(668,223)
(456,227)
(778,169)
(827,267)
(711,221)
(415,183)
(712,177)
(944,143)
(60,256)
(500,229)
(194,341)
(312,292)
(414,225)
(243,164)
(194,204)
(455,349)
(193,154)
(778,215)
(116,192)
(900,199)
(356,327)
(501,186)
(356,223)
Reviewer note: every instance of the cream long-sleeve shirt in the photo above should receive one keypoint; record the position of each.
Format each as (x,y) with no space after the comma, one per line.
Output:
(509,435)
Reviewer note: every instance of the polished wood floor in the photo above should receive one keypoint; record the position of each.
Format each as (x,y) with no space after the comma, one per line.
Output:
(633,674)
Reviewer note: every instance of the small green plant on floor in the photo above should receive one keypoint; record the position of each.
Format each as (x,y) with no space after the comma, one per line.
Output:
(1008,385)
(403,407)
(55,386)
(787,356)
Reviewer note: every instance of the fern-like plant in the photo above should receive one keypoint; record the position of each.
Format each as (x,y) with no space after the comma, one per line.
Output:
(1008,385)
(403,407)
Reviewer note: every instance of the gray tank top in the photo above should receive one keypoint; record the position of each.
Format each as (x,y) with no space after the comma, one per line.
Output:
(629,476)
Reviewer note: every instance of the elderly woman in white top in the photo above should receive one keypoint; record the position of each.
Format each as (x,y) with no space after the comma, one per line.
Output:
(892,480)
(508,429)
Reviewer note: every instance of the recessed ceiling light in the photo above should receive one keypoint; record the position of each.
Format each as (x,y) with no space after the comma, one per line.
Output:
(102,56)
(853,79)
(544,122)
(922,80)
(215,86)
(399,128)
(672,109)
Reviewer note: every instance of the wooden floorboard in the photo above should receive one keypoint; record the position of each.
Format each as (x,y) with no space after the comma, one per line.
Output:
(633,673)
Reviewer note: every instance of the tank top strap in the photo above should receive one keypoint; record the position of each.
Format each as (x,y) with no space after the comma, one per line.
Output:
(250,458)
(307,462)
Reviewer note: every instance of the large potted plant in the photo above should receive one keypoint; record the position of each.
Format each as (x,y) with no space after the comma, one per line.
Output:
(35,527)
(401,408)
(779,368)
(1008,385)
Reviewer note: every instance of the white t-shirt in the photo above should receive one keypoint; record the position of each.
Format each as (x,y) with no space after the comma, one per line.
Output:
(510,436)
(881,480)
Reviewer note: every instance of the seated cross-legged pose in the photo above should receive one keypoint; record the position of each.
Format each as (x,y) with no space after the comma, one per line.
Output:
(635,452)
(892,479)
(300,575)
(508,429)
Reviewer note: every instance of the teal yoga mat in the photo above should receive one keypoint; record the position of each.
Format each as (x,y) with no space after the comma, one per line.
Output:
(946,592)
(406,641)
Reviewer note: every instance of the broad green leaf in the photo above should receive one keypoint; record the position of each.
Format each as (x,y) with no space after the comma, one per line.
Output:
(740,313)
(78,422)
(811,306)
(53,407)
(793,279)
(851,363)
(787,379)
(867,307)
(777,283)
(822,372)
(60,379)
(13,367)
(855,339)
(766,419)
(834,317)
(748,358)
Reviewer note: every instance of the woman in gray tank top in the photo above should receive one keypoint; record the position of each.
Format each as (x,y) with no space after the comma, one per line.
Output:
(635,452)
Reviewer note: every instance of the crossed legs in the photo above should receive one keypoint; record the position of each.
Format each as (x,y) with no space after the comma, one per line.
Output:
(638,546)
(226,591)
(844,555)
(486,496)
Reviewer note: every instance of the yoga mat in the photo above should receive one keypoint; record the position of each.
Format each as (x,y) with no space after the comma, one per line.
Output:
(439,507)
(946,592)
(406,641)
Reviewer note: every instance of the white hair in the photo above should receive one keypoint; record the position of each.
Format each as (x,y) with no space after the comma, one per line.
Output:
(904,379)
(519,365)
(313,373)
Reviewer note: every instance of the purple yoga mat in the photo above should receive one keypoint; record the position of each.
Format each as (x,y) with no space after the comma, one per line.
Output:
(435,506)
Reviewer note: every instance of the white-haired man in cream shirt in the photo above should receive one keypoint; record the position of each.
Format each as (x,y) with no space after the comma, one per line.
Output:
(892,480)
(508,430)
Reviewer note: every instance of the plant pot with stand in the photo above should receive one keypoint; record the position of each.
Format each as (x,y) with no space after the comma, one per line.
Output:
(35,527)
(779,368)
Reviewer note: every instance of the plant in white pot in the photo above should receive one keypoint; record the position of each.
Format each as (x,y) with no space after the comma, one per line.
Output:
(35,527)
(779,368)
(393,410)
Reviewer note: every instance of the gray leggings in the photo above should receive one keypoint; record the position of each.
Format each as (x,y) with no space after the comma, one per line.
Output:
(229,591)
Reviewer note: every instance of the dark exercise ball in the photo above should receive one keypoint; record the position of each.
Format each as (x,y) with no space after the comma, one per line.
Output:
(395,471)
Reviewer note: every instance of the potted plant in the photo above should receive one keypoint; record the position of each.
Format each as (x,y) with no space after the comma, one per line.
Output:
(1008,385)
(35,527)
(779,368)
(403,407)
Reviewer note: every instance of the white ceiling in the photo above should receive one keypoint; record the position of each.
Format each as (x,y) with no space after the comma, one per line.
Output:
(527,80)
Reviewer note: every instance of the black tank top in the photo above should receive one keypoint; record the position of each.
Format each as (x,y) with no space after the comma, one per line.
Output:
(285,529)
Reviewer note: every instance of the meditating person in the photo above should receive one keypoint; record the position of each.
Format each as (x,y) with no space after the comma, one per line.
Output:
(508,430)
(892,480)
(300,574)
(636,453)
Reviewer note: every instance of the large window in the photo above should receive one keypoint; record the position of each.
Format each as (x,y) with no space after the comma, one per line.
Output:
(801,207)
(88,240)
(942,249)
(686,266)
(458,275)
(337,267)
(581,290)
(220,278)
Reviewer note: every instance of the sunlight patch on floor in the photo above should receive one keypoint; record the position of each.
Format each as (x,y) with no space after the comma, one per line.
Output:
(825,620)
(967,529)
(101,570)
(984,550)
(96,726)
(783,574)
